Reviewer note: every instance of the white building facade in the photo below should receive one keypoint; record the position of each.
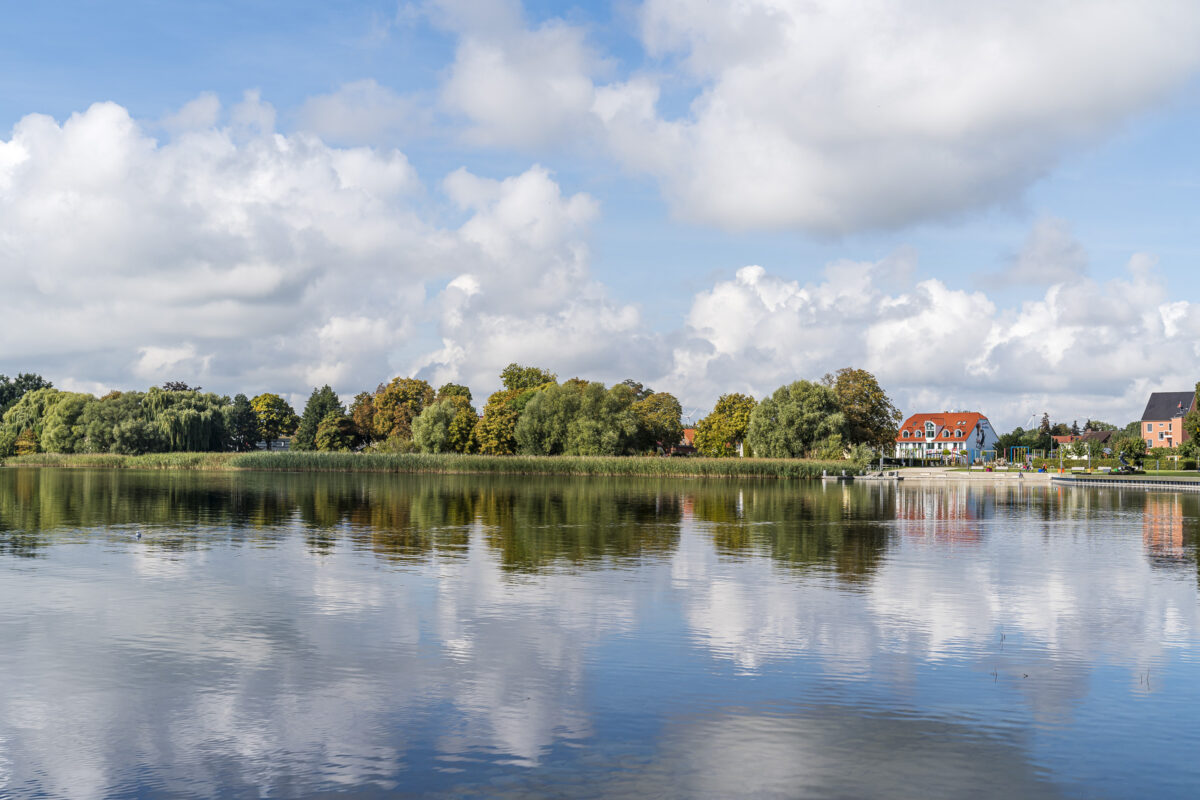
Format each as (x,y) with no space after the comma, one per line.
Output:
(957,434)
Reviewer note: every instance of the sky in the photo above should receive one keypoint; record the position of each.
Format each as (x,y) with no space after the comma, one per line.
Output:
(988,206)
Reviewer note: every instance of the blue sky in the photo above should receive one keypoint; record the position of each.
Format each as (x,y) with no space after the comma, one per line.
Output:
(944,198)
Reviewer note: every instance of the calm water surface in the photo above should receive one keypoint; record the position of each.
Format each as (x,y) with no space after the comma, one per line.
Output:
(301,635)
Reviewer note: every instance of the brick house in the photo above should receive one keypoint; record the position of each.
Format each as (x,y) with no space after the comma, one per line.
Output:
(1162,421)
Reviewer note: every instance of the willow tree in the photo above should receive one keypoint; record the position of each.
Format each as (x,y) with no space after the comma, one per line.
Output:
(797,420)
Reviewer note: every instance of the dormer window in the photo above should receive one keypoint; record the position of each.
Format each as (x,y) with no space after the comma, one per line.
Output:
(904,434)
(958,434)
(945,434)
(930,430)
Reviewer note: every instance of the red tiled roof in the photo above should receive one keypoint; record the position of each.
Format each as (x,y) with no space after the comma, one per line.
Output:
(954,420)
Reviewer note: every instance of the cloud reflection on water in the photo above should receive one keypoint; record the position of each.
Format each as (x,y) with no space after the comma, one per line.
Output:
(391,630)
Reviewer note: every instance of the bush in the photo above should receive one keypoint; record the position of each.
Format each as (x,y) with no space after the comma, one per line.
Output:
(1052,463)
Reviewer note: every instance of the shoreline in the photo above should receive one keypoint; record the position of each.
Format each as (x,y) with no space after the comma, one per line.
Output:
(444,464)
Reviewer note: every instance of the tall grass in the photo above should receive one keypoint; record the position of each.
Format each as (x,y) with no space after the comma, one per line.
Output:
(539,465)
(450,464)
(180,461)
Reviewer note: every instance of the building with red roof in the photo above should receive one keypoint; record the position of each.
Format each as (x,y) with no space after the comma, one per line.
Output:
(959,433)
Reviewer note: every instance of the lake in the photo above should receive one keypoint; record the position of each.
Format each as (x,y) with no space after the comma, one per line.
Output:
(295,635)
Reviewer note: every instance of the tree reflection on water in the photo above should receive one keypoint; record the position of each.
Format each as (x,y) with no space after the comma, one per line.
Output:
(535,523)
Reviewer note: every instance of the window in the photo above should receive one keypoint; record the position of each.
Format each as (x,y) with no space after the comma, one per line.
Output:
(930,430)
(1161,435)
(945,434)
(1149,426)
(958,434)
(1162,424)
(1149,443)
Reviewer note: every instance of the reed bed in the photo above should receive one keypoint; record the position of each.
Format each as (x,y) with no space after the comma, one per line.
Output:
(450,463)
(160,461)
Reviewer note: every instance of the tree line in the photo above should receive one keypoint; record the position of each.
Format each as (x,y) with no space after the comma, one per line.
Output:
(846,413)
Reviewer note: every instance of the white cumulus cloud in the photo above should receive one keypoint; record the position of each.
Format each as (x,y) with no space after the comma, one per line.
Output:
(829,115)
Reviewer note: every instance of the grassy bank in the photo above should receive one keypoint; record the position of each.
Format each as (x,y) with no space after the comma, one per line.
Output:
(448,464)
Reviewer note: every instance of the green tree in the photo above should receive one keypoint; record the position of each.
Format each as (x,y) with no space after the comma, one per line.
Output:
(871,417)
(1098,425)
(1191,420)
(605,424)
(336,432)
(13,389)
(321,403)
(454,390)
(27,414)
(243,424)
(541,429)
(660,422)
(718,433)
(1132,447)
(189,421)
(515,376)
(119,423)
(275,417)
(796,420)
(398,404)
(640,392)
(63,429)
(446,426)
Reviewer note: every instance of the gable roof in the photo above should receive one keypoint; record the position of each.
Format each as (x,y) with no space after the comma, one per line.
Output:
(1166,405)
(1099,436)
(954,420)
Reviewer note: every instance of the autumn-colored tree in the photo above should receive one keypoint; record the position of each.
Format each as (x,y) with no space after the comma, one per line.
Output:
(495,434)
(871,417)
(275,417)
(718,434)
(27,443)
(362,411)
(398,404)
(462,427)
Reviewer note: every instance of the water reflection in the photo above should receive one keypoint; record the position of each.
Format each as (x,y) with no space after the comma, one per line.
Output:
(299,635)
